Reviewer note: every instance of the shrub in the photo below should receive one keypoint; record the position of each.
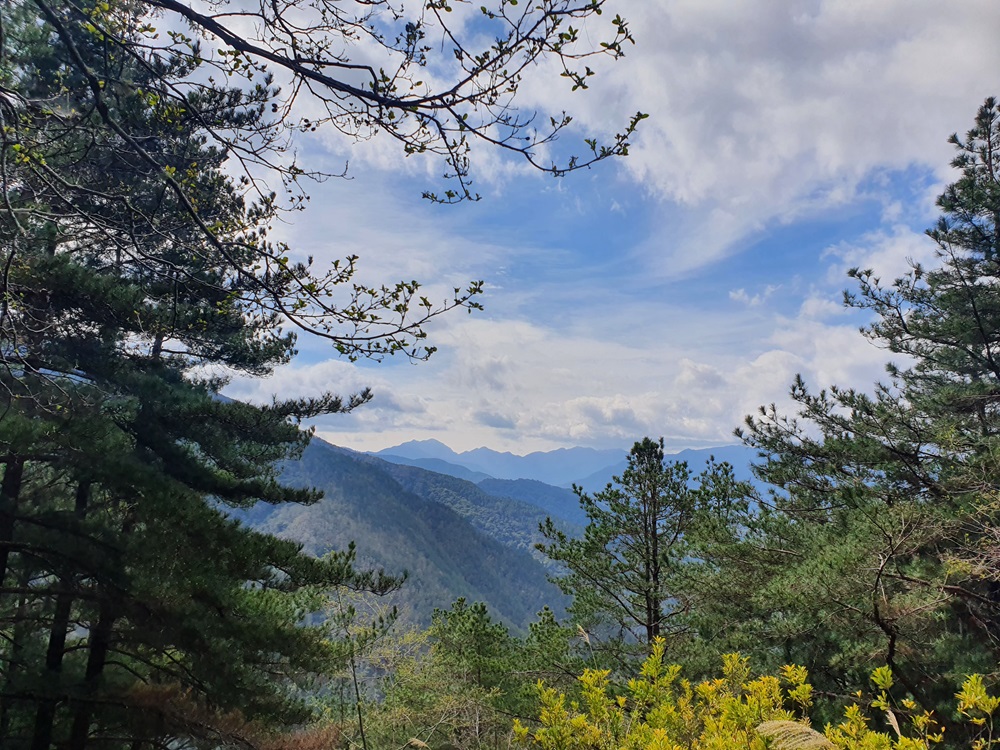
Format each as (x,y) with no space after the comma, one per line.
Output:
(659,710)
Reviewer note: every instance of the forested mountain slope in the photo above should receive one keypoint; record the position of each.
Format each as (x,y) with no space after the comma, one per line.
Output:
(404,522)
(558,502)
(499,514)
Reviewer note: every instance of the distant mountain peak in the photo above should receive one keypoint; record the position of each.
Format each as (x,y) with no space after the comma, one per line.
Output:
(591,468)
(429,448)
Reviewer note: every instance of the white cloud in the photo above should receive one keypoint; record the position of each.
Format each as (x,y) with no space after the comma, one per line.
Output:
(819,306)
(553,389)
(755,300)
(761,112)
(302,381)
(830,354)
(889,253)
(763,115)
(766,112)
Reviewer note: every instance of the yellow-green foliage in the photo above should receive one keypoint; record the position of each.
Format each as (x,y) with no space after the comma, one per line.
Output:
(660,710)
(979,707)
(853,733)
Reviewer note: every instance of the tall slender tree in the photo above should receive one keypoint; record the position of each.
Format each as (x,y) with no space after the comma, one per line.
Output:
(623,574)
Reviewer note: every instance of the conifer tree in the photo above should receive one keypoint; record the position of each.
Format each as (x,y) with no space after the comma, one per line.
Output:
(624,574)
(879,546)
(121,574)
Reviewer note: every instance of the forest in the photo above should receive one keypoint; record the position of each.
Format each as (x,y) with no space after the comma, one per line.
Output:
(847,598)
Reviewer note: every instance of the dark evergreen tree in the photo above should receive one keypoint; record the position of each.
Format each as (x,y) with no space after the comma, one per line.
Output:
(624,574)
(879,546)
(120,572)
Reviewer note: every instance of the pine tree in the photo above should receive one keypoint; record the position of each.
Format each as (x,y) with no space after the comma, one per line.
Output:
(879,546)
(624,574)
(120,569)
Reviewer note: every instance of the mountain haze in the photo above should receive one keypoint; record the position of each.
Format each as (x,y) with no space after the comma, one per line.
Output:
(587,467)
(560,467)
(454,537)
(405,519)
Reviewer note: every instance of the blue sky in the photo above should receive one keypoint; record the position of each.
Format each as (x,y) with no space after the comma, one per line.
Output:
(673,292)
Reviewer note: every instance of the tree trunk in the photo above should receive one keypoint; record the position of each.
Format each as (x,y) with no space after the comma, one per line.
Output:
(21,631)
(653,603)
(100,644)
(46,713)
(10,491)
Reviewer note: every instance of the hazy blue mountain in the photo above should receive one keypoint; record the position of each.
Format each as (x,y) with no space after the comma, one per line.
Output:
(422,449)
(739,456)
(558,502)
(559,467)
(419,450)
(417,529)
(437,465)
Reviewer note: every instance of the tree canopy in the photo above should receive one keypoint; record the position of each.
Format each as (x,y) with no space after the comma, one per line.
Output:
(878,545)
(137,143)
(624,573)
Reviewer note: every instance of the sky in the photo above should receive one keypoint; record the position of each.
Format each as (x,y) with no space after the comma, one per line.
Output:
(672,292)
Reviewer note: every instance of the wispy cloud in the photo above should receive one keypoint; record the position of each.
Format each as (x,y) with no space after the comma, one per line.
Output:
(675,293)
(753,300)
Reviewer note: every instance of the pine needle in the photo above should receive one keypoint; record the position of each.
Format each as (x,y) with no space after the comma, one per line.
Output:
(793,735)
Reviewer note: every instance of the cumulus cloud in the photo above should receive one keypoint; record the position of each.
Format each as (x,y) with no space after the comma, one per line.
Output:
(889,253)
(766,113)
(560,389)
(301,381)
(819,306)
(764,116)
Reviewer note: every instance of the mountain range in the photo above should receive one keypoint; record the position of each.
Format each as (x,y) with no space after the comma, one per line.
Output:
(458,524)
(560,467)
(588,468)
